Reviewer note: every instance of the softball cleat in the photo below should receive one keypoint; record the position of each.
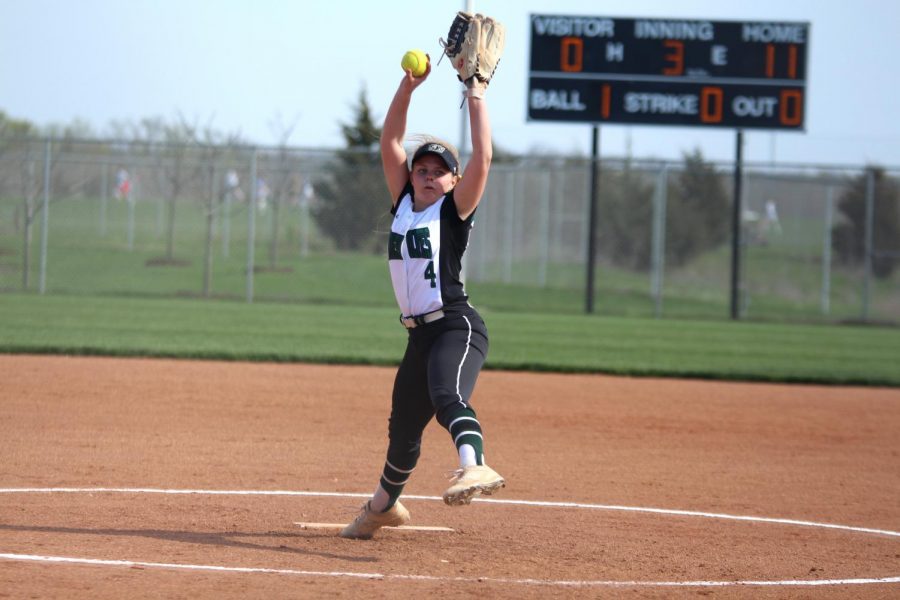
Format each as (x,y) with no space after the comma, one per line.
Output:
(368,522)
(469,482)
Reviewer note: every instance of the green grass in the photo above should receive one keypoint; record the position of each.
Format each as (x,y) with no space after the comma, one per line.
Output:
(224,330)
(106,298)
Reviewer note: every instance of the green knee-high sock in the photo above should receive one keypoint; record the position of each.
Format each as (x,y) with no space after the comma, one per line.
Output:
(392,481)
(465,429)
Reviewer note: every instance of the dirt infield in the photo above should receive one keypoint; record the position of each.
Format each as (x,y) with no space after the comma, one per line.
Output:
(140,445)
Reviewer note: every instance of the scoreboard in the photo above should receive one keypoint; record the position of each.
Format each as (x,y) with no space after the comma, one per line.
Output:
(737,74)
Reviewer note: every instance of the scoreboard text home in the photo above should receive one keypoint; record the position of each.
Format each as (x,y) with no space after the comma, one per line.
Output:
(668,72)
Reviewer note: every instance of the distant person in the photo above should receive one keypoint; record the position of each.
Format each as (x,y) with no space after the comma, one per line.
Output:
(262,194)
(308,191)
(772,224)
(123,184)
(233,186)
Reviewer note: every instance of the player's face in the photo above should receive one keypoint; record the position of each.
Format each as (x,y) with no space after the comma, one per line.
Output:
(431,179)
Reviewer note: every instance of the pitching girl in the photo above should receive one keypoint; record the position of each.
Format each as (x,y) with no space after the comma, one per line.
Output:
(433,209)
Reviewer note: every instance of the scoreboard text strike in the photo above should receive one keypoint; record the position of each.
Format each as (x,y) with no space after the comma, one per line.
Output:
(668,72)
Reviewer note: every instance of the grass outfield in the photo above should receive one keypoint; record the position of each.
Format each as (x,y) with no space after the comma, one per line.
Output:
(226,330)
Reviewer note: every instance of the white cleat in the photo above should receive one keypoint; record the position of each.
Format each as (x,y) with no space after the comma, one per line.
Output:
(368,522)
(472,481)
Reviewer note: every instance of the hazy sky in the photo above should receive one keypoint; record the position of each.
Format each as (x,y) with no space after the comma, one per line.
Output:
(244,65)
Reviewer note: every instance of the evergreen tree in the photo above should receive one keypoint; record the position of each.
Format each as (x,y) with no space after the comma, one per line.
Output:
(353,196)
(848,236)
(697,214)
(626,211)
(698,211)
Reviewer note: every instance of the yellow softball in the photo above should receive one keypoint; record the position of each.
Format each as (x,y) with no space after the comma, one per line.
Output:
(415,61)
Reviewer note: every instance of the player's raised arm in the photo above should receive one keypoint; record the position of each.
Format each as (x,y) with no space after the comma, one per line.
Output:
(393,155)
(474,46)
(469,190)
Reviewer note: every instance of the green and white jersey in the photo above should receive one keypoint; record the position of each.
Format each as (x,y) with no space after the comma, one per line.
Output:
(425,253)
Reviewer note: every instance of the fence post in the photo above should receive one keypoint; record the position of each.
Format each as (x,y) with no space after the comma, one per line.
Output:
(736,214)
(544,235)
(826,251)
(45,218)
(869,239)
(592,220)
(251,226)
(130,200)
(307,197)
(160,214)
(659,239)
(510,208)
(104,197)
(210,227)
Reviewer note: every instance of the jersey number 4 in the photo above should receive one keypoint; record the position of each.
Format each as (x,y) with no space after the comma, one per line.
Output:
(429,273)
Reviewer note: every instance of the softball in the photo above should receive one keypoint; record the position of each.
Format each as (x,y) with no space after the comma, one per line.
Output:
(415,61)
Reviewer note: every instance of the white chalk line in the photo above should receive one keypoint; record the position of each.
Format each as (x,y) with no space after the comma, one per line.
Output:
(545,504)
(508,581)
(437,578)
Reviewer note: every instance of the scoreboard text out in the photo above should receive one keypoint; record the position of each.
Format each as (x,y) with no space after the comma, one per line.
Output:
(668,72)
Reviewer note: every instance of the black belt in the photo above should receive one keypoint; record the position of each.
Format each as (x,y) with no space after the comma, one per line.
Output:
(415,321)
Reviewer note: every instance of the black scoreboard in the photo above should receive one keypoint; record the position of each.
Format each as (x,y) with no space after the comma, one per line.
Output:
(737,74)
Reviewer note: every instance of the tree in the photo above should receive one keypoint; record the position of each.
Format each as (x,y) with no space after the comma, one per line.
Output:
(14,141)
(214,147)
(697,214)
(173,148)
(624,228)
(281,182)
(15,128)
(354,195)
(848,237)
(19,138)
(698,211)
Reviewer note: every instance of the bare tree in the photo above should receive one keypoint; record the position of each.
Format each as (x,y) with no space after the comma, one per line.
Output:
(20,141)
(214,147)
(172,145)
(281,180)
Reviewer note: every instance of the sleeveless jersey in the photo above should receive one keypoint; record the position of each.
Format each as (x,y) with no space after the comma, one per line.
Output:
(425,251)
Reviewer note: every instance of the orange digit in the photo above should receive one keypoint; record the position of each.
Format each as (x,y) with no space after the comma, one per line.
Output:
(711,113)
(571,56)
(770,60)
(792,61)
(791,116)
(676,57)
(604,101)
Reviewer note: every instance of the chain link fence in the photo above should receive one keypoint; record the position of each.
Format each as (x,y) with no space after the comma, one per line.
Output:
(818,243)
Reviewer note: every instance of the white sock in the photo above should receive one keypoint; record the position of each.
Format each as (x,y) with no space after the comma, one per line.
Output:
(379,500)
(467,456)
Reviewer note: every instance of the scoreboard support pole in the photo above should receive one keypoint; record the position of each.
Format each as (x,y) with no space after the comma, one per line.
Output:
(736,227)
(592,219)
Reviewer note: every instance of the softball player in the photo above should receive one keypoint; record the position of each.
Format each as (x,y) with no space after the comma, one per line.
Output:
(433,210)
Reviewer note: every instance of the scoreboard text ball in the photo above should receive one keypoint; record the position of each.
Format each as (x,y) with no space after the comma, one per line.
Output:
(737,74)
